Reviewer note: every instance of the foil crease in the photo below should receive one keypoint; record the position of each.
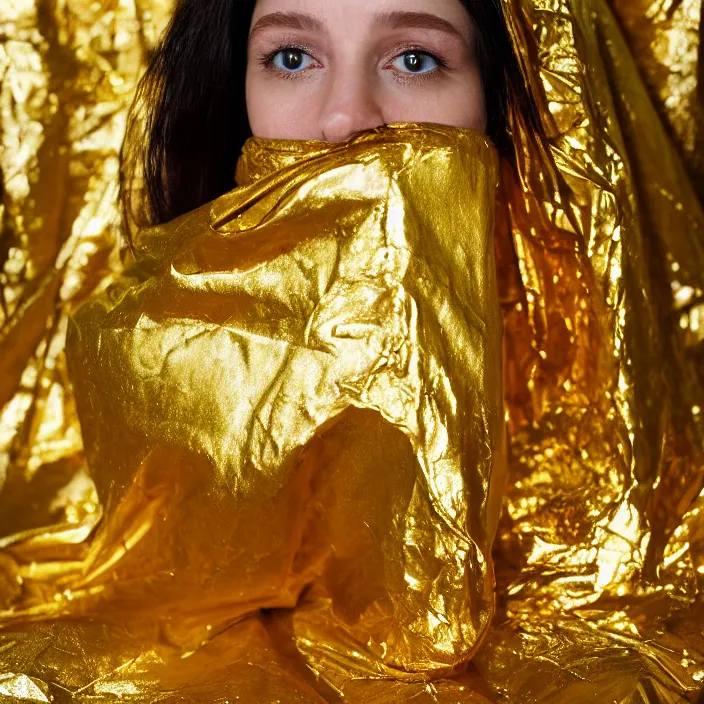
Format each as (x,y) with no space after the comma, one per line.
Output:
(598,558)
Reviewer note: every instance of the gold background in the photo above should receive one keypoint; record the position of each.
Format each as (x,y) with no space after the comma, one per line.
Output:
(599,558)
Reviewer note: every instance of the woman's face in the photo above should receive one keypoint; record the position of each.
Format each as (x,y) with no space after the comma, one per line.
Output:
(328,69)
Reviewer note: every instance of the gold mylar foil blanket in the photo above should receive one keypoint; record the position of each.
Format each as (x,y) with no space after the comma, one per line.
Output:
(293,399)
(599,555)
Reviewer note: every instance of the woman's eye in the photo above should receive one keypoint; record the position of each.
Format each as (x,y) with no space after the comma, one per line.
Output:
(416,62)
(291,60)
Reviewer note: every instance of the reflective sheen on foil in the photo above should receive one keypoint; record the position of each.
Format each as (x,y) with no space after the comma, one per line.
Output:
(599,555)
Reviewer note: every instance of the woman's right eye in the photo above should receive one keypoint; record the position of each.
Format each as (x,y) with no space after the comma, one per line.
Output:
(291,60)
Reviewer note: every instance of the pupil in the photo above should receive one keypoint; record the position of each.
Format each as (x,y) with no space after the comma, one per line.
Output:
(293,59)
(413,62)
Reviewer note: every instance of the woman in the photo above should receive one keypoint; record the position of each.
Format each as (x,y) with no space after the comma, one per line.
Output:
(313,414)
(189,121)
(292,401)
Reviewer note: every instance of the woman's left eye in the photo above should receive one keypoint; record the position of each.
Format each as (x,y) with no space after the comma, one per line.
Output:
(416,62)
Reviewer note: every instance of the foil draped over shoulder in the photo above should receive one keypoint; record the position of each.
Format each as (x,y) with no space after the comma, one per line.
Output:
(293,448)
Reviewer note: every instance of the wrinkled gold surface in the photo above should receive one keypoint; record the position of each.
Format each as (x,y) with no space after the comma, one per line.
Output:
(294,399)
(599,558)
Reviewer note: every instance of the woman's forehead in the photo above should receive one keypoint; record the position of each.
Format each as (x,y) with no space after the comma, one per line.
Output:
(322,15)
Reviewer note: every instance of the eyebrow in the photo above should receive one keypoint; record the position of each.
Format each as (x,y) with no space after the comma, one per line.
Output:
(420,20)
(288,20)
(393,20)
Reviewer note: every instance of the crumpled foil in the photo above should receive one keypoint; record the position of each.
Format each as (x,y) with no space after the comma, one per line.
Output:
(598,559)
(293,398)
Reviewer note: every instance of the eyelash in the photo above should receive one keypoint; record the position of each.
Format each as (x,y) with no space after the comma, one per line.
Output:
(267,61)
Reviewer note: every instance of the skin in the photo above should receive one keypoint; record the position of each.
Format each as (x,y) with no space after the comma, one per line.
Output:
(327,70)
